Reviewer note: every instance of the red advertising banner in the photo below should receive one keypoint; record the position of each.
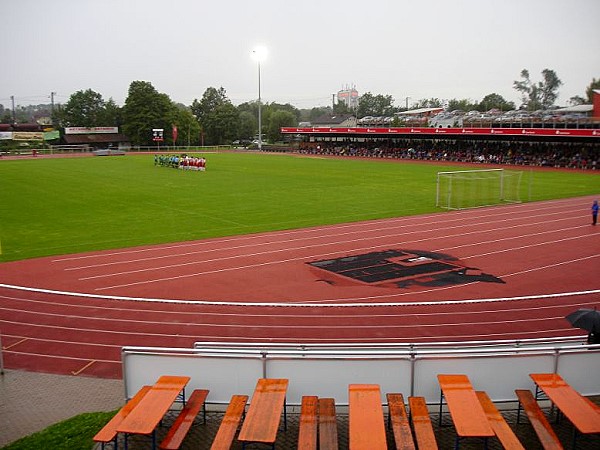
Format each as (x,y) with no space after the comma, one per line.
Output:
(430,132)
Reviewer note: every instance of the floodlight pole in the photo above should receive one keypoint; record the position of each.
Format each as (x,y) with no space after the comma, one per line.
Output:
(259,112)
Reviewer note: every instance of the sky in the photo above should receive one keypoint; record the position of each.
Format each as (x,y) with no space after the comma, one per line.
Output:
(446,49)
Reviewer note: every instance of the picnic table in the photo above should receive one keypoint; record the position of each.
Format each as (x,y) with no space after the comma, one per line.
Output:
(468,416)
(366,424)
(264,414)
(148,413)
(580,412)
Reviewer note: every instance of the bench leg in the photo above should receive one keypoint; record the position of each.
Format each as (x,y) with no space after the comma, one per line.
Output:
(441,403)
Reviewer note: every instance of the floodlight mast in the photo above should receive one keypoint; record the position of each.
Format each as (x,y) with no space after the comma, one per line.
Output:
(259,54)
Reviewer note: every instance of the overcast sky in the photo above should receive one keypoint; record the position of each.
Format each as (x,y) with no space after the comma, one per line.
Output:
(404,48)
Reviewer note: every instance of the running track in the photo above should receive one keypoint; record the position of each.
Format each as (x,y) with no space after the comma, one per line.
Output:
(528,266)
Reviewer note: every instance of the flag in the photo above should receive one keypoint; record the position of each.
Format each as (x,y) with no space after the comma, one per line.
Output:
(174,133)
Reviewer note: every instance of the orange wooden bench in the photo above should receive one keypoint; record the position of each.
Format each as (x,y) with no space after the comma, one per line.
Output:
(503,432)
(592,404)
(575,407)
(365,418)
(185,419)
(109,432)
(264,413)
(328,436)
(419,413)
(398,420)
(229,424)
(468,416)
(307,433)
(540,424)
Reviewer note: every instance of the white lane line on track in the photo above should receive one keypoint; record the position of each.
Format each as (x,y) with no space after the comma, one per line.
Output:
(562,263)
(285,326)
(323,255)
(522,247)
(328,243)
(377,339)
(521,236)
(309,305)
(163,312)
(268,263)
(357,228)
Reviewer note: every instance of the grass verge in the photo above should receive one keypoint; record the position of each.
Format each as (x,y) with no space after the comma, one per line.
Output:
(73,205)
(75,433)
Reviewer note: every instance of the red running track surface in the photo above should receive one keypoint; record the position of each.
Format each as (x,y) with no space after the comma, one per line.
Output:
(507,272)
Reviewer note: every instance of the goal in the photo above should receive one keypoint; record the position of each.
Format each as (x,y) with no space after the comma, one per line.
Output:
(475,188)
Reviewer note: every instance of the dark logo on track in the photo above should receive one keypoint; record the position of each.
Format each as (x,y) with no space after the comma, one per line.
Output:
(400,268)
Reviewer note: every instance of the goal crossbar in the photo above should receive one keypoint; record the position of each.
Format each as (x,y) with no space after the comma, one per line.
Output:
(462,189)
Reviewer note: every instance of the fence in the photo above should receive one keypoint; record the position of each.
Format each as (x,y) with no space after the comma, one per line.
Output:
(227,369)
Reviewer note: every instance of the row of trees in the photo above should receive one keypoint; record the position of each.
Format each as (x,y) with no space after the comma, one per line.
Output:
(214,120)
(211,120)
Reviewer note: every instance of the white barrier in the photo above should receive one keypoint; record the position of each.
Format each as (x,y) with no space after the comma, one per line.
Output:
(328,372)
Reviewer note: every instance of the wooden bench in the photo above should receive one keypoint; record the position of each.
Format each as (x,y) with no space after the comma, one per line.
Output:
(109,433)
(503,432)
(184,421)
(366,424)
(230,423)
(468,416)
(307,433)
(264,413)
(592,404)
(328,436)
(540,424)
(398,420)
(419,413)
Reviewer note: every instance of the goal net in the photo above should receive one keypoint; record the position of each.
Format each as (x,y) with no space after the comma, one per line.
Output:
(474,188)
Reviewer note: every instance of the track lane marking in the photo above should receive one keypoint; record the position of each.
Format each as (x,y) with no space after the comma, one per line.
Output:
(360,227)
(269,263)
(328,243)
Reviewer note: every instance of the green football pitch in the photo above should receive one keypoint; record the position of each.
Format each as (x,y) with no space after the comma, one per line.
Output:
(70,205)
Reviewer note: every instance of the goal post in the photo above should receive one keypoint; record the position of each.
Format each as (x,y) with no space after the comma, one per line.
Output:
(462,189)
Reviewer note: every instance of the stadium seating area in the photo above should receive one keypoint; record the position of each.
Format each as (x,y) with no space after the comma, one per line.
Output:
(566,155)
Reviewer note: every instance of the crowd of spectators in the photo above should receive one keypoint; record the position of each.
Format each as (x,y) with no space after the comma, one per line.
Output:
(560,154)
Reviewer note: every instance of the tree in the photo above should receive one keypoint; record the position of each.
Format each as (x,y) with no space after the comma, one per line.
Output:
(526,88)
(83,109)
(342,108)
(548,89)
(110,115)
(188,128)
(540,95)
(495,101)
(576,100)
(145,108)
(429,103)
(317,112)
(462,105)
(217,116)
(278,119)
(248,125)
(375,105)
(589,92)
